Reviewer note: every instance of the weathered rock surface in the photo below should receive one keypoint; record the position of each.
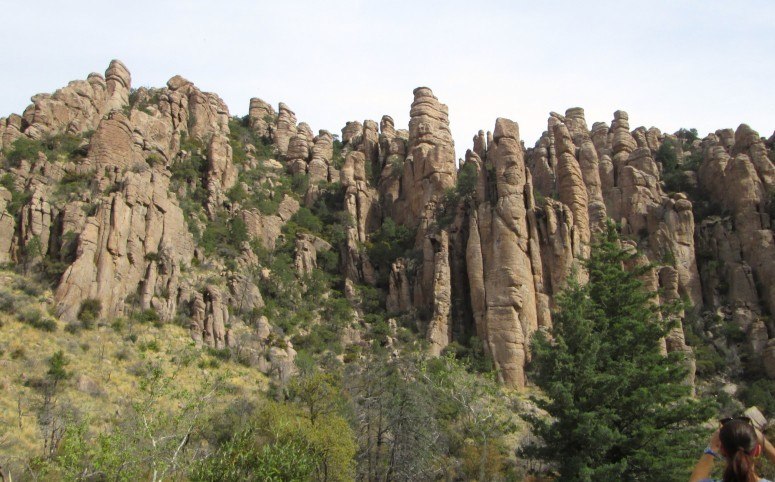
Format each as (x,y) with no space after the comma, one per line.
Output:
(286,128)
(430,168)
(261,118)
(7,226)
(135,244)
(487,262)
(360,202)
(499,260)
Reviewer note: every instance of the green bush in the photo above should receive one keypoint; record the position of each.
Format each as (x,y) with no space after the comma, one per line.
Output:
(463,190)
(89,312)
(708,360)
(224,235)
(146,316)
(53,269)
(18,198)
(300,183)
(761,393)
(7,301)
(244,458)
(733,332)
(74,183)
(24,148)
(688,135)
(237,193)
(466,180)
(337,160)
(152,345)
(389,242)
(307,221)
(34,317)
(667,156)
(240,135)
(60,147)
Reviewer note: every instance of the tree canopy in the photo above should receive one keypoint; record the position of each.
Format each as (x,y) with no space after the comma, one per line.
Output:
(619,407)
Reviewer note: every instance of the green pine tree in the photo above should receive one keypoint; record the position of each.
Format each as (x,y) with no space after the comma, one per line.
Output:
(619,409)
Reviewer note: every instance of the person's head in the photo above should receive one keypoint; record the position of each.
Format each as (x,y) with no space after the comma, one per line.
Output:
(740,446)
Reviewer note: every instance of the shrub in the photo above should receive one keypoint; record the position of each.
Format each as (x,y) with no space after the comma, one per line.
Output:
(152,345)
(237,193)
(146,316)
(223,354)
(761,393)
(89,312)
(18,198)
(118,324)
(239,135)
(72,328)
(667,156)
(24,148)
(223,232)
(337,160)
(242,458)
(688,135)
(300,183)
(155,159)
(74,183)
(53,269)
(308,221)
(7,301)
(466,180)
(32,316)
(389,242)
(55,148)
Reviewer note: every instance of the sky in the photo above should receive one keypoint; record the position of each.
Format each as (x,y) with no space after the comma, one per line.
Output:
(704,64)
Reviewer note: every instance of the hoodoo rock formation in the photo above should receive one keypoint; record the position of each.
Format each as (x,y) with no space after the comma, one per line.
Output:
(157,199)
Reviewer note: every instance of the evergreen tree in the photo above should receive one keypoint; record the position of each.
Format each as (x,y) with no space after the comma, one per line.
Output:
(619,409)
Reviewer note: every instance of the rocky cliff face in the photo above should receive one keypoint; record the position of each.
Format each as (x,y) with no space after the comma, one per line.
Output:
(157,199)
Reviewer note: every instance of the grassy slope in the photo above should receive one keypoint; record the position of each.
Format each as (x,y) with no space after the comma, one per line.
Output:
(104,362)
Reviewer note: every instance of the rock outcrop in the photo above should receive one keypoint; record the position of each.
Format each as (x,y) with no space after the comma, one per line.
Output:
(499,260)
(261,118)
(360,203)
(286,128)
(488,253)
(429,169)
(135,244)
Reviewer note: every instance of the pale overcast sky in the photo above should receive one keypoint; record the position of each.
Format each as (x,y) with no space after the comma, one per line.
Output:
(696,63)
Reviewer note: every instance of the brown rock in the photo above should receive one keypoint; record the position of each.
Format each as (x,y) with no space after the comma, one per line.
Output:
(118,81)
(217,316)
(399,289)
(571,188)
(439,332)
(221,173)
(245,295)
(261,118)
(112,259)
(305,255)
(112,145)
(503,295)
(286,128)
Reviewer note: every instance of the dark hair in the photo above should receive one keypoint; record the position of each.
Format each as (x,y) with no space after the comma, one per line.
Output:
(738,438)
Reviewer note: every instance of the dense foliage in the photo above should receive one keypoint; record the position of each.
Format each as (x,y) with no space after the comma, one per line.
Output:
(620,409)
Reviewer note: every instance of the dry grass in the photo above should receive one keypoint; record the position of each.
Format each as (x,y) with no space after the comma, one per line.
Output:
(105,363)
